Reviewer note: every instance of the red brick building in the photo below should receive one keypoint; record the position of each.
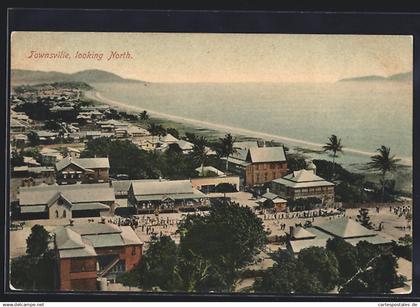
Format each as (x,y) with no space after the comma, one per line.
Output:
(264,165)
(86,252)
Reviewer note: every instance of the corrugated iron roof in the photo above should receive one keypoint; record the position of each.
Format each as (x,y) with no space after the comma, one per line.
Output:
(105,240)
(95,228)
(302,233)
(76,193)
(87,251)
(89,206)
(33,209)
(162,187)
(129,236)
(266,154)
(66,238)
(84,163)
(302,179)
(345,228)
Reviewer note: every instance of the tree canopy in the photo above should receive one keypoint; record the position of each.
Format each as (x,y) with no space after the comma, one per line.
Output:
(38,241)
(211,251)
(364,268)
(384,163)
(36,269)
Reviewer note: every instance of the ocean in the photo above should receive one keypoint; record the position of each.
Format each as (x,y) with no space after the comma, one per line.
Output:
(365,115)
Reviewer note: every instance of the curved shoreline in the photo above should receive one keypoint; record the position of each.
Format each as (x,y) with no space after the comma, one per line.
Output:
(225,128)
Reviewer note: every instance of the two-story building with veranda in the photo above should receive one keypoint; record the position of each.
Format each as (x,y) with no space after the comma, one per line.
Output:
(86,252)
(84,170)
(264,165)
(304,184)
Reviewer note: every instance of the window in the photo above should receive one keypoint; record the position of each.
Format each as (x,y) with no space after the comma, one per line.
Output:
(82,265)
(272,165)
(64,213)
(56,214)
(265,176)
(274,175)
(133,251)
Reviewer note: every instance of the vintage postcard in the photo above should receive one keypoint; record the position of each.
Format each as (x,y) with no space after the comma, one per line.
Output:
(211,163)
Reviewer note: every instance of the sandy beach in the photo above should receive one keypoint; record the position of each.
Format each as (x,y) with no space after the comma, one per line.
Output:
(95,95)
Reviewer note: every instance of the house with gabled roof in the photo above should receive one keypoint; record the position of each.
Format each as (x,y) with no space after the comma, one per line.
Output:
(168,139)
(16,126)
(185,146)
(86,252)
(84,170)
(257,165)
(273,201)
(50,156)
(265,165)
(65,201)
(144,194)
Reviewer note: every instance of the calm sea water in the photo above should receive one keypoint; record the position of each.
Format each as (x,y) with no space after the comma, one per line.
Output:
(365,115)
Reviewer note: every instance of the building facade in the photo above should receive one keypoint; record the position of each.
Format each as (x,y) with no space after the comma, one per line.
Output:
(265,165)
(86,252)
(146,194)
(65,201)
(84,170)
(318,234)
(303,184)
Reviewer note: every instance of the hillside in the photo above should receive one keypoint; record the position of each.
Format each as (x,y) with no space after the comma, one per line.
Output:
(401,77)
(20,76)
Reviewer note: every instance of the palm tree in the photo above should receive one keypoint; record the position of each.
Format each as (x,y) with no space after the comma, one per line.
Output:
(226,148)
(144,115)
(200,151)
(156,129)
(334,145)
(384,163)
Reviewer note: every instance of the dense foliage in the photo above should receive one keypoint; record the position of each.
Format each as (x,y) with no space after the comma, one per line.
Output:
(315,270)
(212,250)
(36,270)
(126,158)
(364,268)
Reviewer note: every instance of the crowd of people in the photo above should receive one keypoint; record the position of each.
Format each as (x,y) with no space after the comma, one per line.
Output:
(402,210)
(311,214)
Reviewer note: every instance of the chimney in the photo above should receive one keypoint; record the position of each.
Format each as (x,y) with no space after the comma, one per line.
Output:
(267,190)
(292,232)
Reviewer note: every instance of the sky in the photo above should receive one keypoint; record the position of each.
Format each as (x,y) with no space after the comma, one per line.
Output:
(202,57)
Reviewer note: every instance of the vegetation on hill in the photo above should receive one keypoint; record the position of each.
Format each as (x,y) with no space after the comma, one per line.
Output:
(88,76)
(53,85)
(401,77)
